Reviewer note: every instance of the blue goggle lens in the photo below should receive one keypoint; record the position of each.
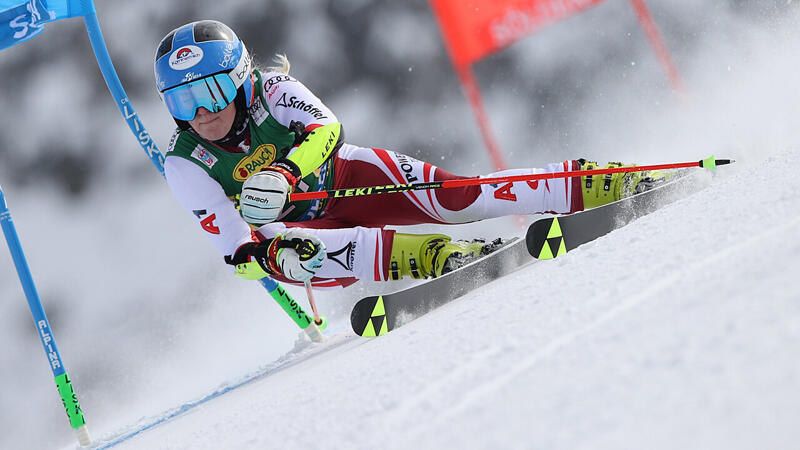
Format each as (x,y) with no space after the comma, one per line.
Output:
(213,93)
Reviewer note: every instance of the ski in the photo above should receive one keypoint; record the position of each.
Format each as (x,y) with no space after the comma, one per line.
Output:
(554,236)
(377,315)
(545,239)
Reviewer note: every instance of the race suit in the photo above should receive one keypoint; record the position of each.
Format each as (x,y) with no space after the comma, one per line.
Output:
(206,179)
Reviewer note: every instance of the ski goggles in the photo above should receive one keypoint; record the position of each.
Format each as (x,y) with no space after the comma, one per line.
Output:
(213,93)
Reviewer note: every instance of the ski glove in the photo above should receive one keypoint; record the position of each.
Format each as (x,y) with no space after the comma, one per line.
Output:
(296,254)
(264,194)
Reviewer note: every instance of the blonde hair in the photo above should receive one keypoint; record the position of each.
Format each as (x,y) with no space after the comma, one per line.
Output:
(281,62)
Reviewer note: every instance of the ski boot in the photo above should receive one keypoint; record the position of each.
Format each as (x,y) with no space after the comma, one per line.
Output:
(602,189)
(433,255)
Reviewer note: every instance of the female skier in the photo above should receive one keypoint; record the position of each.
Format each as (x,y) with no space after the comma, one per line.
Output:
(248,137)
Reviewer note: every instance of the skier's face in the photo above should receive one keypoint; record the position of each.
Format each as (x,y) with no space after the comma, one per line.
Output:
(213,126)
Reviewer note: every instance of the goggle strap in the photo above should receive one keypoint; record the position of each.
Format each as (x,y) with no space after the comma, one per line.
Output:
(242,69)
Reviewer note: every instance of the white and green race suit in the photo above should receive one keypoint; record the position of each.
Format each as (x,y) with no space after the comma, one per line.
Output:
(206,178)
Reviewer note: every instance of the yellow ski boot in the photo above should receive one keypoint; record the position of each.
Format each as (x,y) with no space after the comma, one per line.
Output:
(602,189)
(432,255)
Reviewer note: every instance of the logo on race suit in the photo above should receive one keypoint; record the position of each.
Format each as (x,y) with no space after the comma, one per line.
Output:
(254,162)
(272,81)
(345,256)
(405,165)
(294,102)
(207,223)
(271,91)
(535,185)
(185,57)
(201,154)
(257,112)
(504,193)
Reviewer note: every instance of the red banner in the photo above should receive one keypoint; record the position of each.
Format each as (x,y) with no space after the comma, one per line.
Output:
(475,28)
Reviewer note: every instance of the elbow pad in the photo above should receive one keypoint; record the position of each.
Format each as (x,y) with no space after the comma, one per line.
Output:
(319,145)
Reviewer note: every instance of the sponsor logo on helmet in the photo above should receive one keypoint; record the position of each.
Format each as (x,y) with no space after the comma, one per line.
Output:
(185,57)
(263,156)
(204,156)
(228,59)
(190,76)
(294,102)
(242,70)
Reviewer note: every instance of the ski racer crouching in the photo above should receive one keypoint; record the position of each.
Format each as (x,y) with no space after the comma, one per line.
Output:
(250,136)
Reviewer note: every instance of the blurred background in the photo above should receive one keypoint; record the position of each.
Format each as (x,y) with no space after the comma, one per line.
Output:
(144,311)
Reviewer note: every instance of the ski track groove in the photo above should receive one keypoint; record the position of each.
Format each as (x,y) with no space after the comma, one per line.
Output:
(306,352)
(410,404)
(469,398)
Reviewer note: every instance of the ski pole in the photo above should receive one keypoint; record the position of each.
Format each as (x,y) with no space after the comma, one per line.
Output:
(319,320)
(708,163)
(68,397)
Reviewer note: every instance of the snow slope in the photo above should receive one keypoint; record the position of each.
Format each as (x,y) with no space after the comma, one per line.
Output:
(680,330)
